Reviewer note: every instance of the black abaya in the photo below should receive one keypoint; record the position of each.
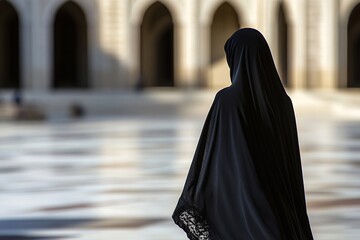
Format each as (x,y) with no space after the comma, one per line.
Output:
(245,180)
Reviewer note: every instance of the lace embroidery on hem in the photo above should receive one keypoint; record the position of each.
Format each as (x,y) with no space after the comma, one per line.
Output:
(200,229)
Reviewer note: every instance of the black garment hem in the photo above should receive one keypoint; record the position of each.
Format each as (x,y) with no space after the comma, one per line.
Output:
(192,221)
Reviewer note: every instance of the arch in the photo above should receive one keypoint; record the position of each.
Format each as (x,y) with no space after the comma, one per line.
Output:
(283,44)
(9,46)
(353,48)
(140,7)
(70,64)
(90,9)
(157,47)
(225,22)
(208,10)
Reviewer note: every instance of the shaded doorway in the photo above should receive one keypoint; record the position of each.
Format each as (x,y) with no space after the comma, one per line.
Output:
(9,47)
(354,48)
(70,48)
(225,22)
(283,46)
(157,47)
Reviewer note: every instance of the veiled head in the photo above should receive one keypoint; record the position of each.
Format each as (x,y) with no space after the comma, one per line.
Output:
(246,46)
(252,68)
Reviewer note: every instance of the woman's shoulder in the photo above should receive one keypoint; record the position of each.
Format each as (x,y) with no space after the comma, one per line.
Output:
(288,100)
(222,93)
(224,98)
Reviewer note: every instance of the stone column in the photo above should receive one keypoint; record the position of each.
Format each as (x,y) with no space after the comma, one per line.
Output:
(345,8)
(297,41)
(40,53)
(189,45)
(110,43)
(329,44)
(313,48)
(25,14)
(133,60)
(204,54)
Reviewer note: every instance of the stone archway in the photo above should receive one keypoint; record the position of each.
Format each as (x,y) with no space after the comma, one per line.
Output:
(9,47)
(70,48)
(353,50)
(225,22)
(157,47)
(283,45)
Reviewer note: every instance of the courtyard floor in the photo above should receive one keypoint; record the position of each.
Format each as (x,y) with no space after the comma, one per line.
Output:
(120,177)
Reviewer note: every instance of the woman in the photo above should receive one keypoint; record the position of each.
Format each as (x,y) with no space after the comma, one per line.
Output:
(245,180)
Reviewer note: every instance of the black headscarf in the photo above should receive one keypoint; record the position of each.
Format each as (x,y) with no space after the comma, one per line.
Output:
(245,180)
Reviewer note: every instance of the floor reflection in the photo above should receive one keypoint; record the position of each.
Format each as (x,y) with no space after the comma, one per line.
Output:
(120,178)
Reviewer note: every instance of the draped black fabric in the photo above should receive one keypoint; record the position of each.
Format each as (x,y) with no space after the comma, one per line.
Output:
(245,180)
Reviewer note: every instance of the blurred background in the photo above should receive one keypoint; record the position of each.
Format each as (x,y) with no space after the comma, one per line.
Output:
(102,103)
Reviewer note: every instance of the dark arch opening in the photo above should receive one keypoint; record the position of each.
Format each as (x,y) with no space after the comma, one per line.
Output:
(225,22)
(70,47)
(9,47)
(354,48)
(157,47)
(283,46)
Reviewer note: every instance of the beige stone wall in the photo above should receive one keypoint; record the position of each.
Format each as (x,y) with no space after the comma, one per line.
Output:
(317,40)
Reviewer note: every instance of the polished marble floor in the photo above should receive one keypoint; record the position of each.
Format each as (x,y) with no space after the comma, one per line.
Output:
(120,177)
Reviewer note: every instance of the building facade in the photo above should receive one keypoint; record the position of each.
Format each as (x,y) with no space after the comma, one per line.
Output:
(124,44)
